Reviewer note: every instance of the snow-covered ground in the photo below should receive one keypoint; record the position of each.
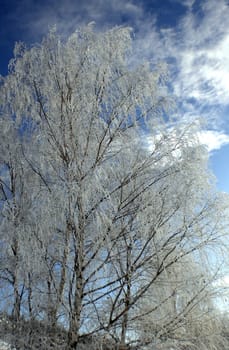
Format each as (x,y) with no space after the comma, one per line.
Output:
(5,346)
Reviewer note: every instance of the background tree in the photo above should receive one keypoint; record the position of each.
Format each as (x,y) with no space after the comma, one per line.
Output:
(110,232)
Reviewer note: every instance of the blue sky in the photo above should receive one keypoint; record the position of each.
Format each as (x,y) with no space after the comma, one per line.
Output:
(192,36)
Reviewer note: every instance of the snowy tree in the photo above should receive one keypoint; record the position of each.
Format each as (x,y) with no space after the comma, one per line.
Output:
(106,225)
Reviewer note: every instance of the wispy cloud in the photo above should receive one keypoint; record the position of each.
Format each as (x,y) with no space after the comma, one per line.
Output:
(212,139)
(33,18)
(197,51)
(203,60)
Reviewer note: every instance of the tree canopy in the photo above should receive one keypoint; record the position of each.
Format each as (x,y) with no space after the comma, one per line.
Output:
(110,225)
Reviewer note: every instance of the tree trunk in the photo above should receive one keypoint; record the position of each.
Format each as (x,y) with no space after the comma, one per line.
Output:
(17,296)
(73,334)
(127,296)
(78,233)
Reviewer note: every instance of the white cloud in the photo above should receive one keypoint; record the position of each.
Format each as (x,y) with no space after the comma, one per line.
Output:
(213,139)
(197,51)
(187,3)
(204,74)
(34,18)
(203,55)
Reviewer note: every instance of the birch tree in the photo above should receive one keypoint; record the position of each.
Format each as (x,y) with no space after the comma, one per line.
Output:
(119,194)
